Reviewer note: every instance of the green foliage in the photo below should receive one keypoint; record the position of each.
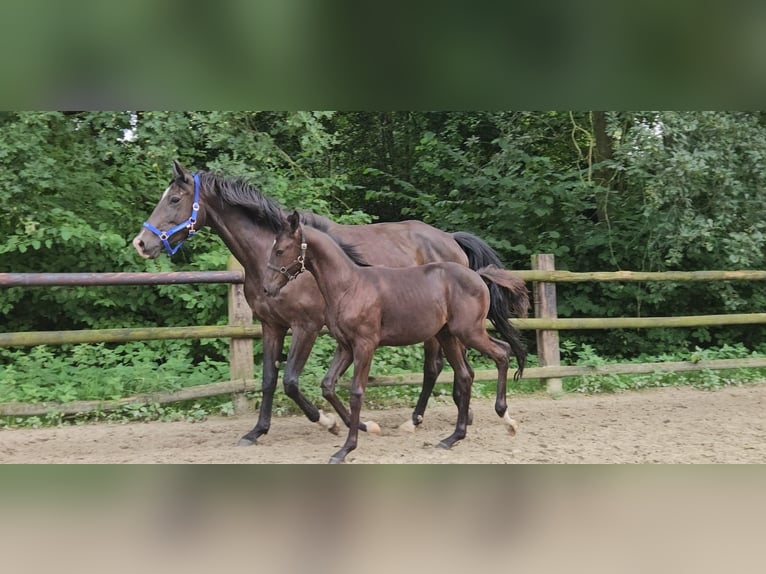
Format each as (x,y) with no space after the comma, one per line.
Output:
(574,354)
(102,372)
(644,191)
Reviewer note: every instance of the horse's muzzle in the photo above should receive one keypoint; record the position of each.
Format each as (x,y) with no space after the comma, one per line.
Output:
(142,248)
(271,290)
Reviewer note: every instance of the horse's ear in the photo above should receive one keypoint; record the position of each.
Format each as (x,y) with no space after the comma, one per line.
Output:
(294,219)
(179,172)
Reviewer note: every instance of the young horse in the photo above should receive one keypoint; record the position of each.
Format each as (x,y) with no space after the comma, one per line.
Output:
(247,221)
(370,307)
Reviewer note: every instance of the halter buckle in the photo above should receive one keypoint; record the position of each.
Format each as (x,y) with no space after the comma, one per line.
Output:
(189,224)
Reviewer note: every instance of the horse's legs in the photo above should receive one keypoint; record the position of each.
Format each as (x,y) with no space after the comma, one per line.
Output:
(432,366)
(455,353)
(456,398)
(362,362)
(273,339)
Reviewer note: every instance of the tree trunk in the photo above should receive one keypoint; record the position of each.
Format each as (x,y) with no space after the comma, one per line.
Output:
(602,176)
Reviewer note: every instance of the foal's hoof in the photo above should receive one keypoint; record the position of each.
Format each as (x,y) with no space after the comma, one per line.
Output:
(336,460)
(372,427)
(246,442)
(443,445)
(510,424)
(330,422)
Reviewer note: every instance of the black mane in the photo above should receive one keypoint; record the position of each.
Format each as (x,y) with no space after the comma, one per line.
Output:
(266,211)
(350,250)
(236,191)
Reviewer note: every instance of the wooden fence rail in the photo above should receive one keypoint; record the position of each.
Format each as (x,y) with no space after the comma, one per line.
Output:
(92,279)
(553,276)
(241,331)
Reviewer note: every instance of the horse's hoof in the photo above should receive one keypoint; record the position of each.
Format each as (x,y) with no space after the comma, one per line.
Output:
(335,460)
(330,422)
(246,442)
(443,445)
(407,426)
(510,425)
(372,427)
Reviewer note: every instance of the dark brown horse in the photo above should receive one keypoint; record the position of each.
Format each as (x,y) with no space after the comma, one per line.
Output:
(371,307)
(248,221)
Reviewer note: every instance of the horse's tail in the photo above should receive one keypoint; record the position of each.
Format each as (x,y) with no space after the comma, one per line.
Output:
(509,297)
(479,253)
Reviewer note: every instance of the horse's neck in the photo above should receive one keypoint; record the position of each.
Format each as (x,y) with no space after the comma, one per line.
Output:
(333,270)
(311,219)
(247,241)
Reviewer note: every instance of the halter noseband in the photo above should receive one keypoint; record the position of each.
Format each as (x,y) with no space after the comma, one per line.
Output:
(188,224)
(300,261)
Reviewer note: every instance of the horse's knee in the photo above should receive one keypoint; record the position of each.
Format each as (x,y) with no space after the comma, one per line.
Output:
(291,387)
(328,388)
(434,365)
(464,379)
(269,381)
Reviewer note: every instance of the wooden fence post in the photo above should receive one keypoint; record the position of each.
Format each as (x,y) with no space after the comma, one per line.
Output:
(240,350)
(545,307)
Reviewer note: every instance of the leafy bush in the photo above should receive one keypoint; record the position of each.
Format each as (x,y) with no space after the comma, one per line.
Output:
(645,191)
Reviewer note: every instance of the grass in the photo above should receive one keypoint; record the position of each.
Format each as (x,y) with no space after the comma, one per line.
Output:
(93,372)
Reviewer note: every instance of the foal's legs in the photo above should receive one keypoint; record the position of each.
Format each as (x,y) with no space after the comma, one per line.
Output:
(433,365)
(499,351)
(303,340)
(340,362)
(455,353)
(362,361)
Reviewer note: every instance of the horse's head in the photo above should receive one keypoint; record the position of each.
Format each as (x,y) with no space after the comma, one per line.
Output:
(288,256)
(177,216)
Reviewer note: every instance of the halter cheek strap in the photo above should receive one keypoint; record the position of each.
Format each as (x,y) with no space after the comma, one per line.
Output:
(188,224)
(300,262)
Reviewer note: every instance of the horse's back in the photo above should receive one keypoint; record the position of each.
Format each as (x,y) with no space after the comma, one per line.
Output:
(401,244)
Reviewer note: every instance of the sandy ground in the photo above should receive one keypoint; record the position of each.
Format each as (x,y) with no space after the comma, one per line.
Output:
(673,425)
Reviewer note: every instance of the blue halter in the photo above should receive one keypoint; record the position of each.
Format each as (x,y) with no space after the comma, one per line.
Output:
(188,224)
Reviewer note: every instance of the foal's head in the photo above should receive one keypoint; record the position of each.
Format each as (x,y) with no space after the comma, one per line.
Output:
(288,256)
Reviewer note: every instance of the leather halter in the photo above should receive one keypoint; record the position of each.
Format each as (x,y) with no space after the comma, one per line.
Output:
(300,261)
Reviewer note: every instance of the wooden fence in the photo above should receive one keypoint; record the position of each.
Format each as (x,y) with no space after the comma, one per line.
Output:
(241,331)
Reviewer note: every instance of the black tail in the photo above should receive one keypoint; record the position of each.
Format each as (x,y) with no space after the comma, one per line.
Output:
(503,302)
(479,253)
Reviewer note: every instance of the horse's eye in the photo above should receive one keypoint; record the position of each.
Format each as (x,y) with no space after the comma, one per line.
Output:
(280,252)
(175,199)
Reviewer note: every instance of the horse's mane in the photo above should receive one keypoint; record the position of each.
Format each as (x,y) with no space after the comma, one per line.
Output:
(268,212)
(264,210)
(350,250)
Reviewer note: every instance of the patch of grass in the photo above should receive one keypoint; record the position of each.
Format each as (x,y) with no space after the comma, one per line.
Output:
(704,379)
(103,372)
